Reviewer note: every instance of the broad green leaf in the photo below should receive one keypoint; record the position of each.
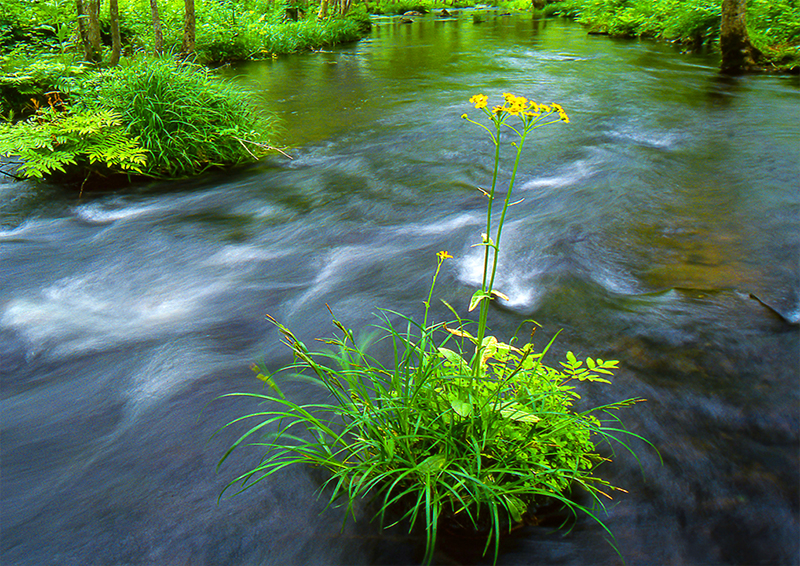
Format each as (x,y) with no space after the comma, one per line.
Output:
(432,464)
(454,359)
(462,408)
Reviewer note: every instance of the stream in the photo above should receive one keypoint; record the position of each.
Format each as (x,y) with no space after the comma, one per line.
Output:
(660,227)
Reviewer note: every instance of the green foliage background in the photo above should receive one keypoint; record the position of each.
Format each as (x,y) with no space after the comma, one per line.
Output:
(770,22)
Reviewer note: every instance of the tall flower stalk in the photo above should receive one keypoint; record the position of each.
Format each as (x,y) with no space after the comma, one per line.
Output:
(520,116)
(435,435)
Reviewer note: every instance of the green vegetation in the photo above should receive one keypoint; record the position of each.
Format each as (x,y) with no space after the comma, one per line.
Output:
(458,429)
(149,116)
(185,117)
(225,30)
(773,25)
(60,138)
(169,117)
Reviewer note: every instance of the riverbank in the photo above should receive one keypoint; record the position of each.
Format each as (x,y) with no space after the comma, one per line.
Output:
(773,25)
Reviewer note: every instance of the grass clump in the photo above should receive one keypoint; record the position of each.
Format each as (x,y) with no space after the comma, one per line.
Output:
(184,116)
(458,429)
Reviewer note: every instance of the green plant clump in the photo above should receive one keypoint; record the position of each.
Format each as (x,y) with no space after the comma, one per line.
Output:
(184,116)
(458,429)
(154,117)
(58,139)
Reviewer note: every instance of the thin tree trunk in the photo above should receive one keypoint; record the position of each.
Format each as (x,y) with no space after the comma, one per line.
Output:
(82,26)
(93,48)
(323,9)
(189,27)
(157,33)
(738,54)
(116,40)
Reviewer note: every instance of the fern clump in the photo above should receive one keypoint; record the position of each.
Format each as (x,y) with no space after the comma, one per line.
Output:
(64,140)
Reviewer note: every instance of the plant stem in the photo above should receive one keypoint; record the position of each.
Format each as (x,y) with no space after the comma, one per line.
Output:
(484,305)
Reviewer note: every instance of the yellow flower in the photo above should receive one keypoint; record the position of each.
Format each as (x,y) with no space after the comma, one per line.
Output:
(561,113)
(443,255)
(479,100)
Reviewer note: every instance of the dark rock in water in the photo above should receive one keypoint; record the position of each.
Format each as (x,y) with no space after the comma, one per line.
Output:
(413,13)
(445,14)
(598,32)
(406,20)
(477,19)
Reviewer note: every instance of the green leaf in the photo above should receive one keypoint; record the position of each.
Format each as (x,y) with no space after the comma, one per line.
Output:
(519,413)
(573,360)
(477,297)
(462,408)
(454,360)
(269,381)
(432,464)
(516,507)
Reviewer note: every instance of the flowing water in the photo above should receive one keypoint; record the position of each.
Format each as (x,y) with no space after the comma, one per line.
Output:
(660,227)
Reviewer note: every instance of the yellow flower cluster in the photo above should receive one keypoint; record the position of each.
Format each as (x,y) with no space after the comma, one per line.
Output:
(479,100)
(520,106)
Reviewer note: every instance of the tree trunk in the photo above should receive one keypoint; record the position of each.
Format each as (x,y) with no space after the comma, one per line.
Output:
(92,49)
(538,4)
(189,27)
(83,34)
(116,40)
(323,9)
(738,54)
(157,33)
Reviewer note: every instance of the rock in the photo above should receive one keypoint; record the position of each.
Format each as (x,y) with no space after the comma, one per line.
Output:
(445,14)
(406,21)
(413,13)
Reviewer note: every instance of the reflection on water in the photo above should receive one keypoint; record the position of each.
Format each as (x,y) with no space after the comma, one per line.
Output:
(660,228)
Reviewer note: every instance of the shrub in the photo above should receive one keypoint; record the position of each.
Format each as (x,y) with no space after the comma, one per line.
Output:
(769,21)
